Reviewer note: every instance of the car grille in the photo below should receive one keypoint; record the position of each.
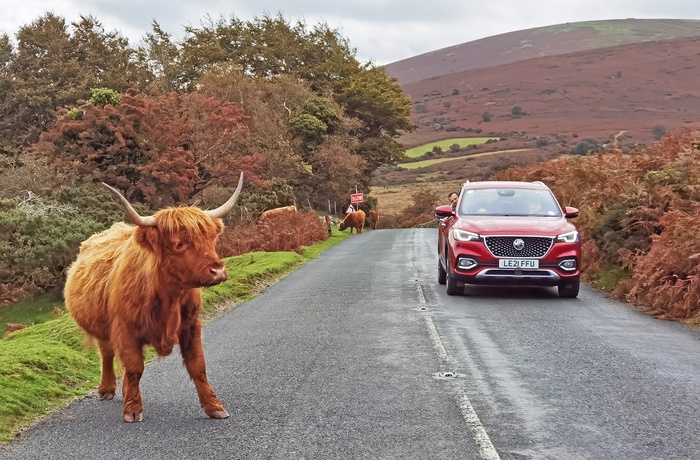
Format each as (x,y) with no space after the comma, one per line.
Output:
(534,246)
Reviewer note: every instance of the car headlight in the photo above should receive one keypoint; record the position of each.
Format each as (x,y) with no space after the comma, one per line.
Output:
(571,237)
(463,235)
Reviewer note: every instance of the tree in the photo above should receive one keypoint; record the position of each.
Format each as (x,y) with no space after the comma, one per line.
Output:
(160,59)
(105,58)
(160,149)
(216,136)
(53,68)
(270,104)
(375,98)
(267,47)
(336,169)
(315,119)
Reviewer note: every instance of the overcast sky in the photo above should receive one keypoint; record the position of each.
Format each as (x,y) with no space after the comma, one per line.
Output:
(382,31)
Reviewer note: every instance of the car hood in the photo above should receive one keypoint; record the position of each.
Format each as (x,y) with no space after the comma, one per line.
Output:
(510,225)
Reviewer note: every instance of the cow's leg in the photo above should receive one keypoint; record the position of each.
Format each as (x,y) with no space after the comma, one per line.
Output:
(193,358)
(130,354)
(108,381)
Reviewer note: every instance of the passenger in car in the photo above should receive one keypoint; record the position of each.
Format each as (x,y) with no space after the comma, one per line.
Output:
(453,197)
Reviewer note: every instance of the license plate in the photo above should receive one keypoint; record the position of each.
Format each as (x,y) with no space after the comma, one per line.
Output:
(518,263)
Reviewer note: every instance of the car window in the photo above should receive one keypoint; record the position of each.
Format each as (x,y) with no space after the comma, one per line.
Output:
(509,202)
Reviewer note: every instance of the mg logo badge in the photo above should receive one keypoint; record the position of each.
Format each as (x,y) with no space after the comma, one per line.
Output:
(518,244)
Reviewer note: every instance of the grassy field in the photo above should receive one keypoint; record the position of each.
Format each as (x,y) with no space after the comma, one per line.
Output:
(463,142)
(47,366)
(424,163)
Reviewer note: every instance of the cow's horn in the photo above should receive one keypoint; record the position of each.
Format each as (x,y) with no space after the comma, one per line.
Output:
(148,221)
(226,207)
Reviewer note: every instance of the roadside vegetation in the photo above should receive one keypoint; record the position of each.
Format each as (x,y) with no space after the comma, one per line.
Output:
(639,220)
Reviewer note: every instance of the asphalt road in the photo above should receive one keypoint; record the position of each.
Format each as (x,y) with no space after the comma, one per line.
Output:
(360,354)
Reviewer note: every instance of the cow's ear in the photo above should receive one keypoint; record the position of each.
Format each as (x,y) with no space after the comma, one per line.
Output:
(219,224)
(148,237)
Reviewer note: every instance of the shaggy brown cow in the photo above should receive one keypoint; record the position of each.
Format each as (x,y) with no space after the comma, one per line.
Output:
(133,286)
(354,220)
(277,211)
(374,214)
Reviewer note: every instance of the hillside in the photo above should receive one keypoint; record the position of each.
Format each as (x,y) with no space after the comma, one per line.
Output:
(595,93)
(539,42)
(619,82)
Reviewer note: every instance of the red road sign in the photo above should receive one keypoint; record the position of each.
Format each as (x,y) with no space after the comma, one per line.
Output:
(356,198)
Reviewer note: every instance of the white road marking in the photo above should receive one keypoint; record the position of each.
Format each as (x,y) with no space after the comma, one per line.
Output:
(421,296)
(486,449)
(437,343)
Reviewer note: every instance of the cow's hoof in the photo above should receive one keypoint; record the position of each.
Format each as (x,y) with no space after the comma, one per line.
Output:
(106,395)
(130,418)
(218,413)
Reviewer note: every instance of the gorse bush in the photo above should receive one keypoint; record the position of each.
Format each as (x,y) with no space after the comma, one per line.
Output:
(37,249)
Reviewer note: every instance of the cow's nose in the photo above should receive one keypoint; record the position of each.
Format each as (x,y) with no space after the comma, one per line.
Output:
(219,274)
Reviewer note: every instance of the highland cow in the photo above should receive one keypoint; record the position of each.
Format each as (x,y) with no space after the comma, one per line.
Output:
(138,285)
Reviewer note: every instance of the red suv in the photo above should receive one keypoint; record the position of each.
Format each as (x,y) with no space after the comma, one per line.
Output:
(508,233)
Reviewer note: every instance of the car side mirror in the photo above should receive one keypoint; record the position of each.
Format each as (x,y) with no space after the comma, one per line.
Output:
(444,211)
(570,212)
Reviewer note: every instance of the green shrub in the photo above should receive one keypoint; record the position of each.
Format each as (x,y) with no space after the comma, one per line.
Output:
(36,250)
(40,236)
(104,96)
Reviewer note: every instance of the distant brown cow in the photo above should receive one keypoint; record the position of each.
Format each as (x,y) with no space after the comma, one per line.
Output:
(353,220)
(374,214)
(277,211)
(133,286)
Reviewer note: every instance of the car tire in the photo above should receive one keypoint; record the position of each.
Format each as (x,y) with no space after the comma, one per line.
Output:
(453,287)
(569,287)
(442,274)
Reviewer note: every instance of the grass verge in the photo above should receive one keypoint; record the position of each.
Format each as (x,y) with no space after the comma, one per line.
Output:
(47,366)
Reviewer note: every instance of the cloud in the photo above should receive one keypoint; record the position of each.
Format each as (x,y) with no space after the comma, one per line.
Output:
(382,31)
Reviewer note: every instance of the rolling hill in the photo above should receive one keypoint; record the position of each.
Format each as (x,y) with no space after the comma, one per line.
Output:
(550,91)
(610,87)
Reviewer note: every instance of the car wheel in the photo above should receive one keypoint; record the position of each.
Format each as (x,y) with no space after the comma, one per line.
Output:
(442,274)
(569,287)
(453,287)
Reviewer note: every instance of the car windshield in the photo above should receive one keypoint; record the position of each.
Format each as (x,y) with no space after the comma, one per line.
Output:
(509,202)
